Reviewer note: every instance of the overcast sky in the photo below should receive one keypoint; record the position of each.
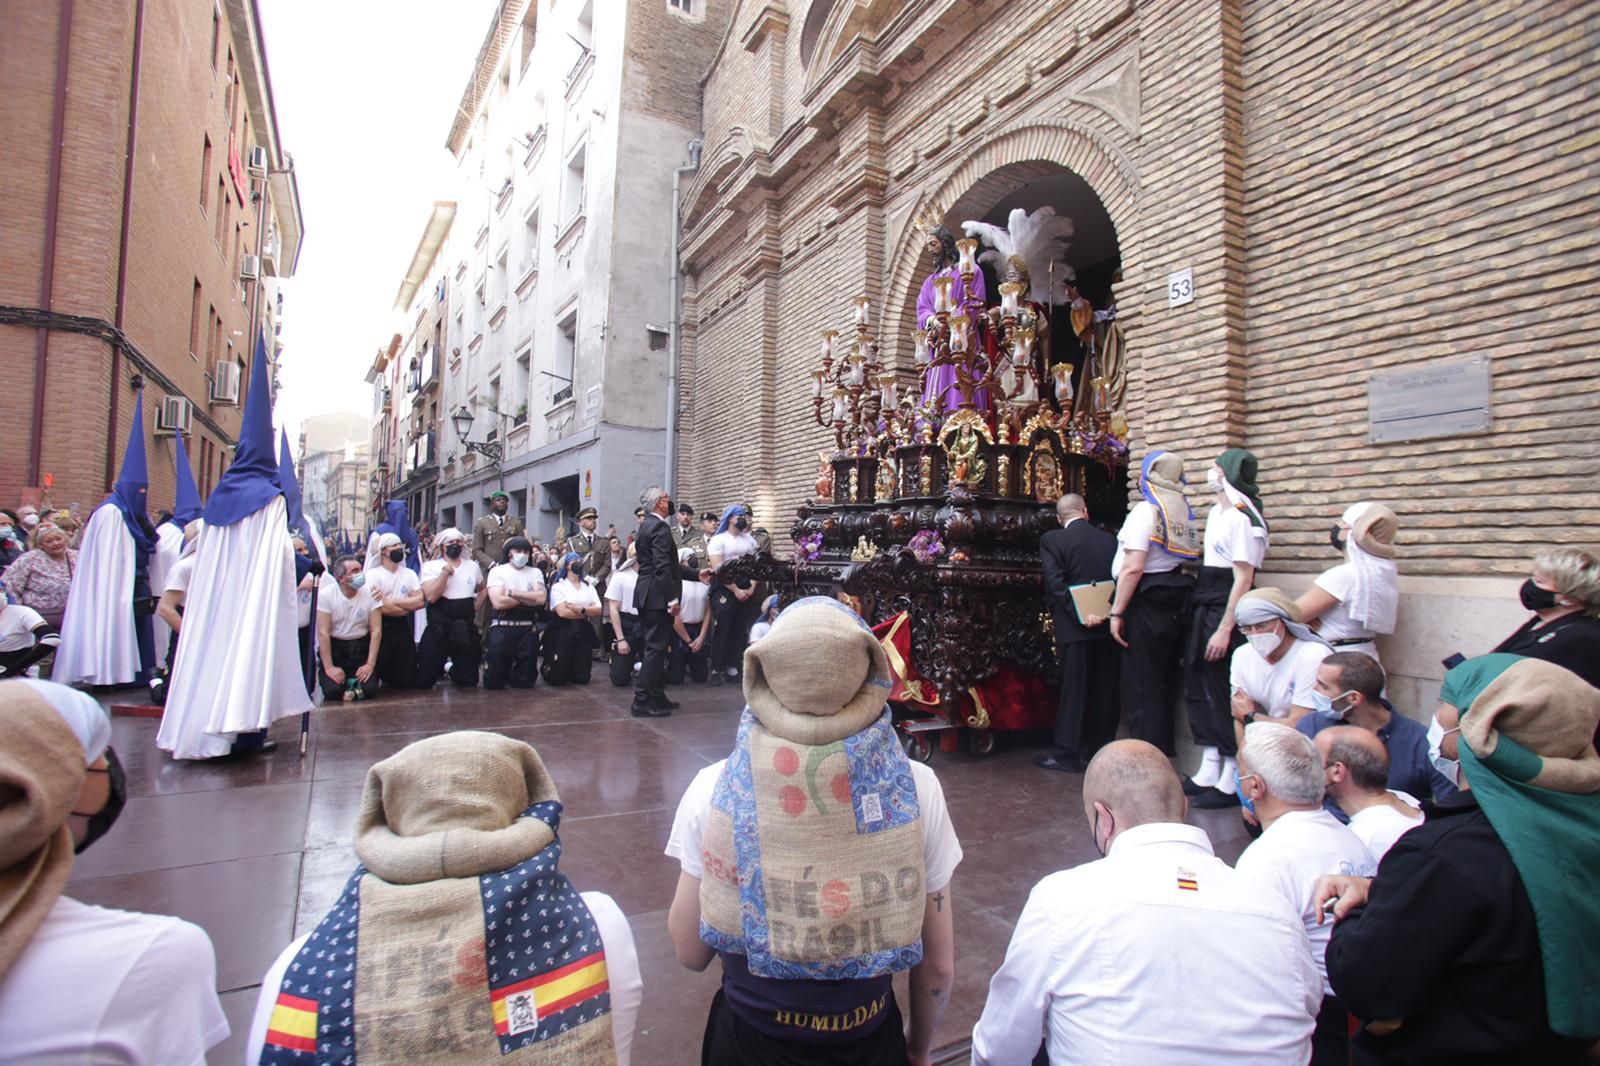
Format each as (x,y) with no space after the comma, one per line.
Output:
(365,92)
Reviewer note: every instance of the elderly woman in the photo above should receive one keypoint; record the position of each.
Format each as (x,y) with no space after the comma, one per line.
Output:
(41,578)
(569,640)
(1355,601)
(1564,595)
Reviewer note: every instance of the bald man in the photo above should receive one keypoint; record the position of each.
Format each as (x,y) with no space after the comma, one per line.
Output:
(1357,783)
(1209,967)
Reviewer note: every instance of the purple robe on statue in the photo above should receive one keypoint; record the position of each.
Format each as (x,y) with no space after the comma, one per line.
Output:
(941,380)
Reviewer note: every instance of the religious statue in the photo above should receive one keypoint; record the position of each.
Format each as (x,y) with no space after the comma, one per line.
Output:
(940,381)
(887,477)
(1046,476)
(962,457)
(824,484)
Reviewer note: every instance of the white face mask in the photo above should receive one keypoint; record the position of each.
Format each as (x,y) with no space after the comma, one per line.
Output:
(1450,768)
(519,560)
(1213,480)
(1265,643)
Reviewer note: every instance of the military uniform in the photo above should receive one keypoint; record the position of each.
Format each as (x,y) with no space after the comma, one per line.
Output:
(489,536)
(691,538)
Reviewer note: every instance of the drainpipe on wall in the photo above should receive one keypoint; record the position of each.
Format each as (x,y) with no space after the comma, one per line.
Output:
(47,266)
(670,477)
(122,252)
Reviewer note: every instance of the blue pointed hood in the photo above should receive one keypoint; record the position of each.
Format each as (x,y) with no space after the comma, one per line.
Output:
(289,483)
(187,506)
(252,481)
(399,524)
(133,483)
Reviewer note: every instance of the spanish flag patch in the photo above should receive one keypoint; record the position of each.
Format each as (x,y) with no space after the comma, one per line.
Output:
(293,1025)
(1186,881)
(519,1008)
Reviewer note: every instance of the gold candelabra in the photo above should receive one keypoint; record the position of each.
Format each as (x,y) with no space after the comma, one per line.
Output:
(855,385)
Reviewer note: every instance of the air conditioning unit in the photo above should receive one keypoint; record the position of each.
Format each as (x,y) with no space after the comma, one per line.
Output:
(249,267)
(225,383)
(176,415)
(258,161)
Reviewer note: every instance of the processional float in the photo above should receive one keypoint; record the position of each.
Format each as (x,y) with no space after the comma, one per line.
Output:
(929,508)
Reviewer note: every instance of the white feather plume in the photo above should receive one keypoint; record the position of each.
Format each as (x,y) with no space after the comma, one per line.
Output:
(1039,239)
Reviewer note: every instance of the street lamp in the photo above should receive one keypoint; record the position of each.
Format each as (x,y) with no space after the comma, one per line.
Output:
(462,420)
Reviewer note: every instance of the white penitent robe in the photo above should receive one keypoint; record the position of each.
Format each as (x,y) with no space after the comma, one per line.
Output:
(238,664)
(98,642)
(169,547)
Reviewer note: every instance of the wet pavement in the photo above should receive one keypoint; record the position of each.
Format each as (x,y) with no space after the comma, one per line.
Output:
(254,852)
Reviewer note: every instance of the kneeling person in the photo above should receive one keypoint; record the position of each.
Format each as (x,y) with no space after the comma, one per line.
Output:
(397,591)
(851,842)
(516,592)
(349,632)
(452,584)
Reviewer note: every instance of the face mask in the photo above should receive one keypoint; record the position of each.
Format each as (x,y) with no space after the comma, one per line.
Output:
(1265,643)
(358,579)
(1325,704)
(1335,538)
(7,532)
(576,569)
(1213,481)
(519,560)
(1535,598)
(1450,768)
(30,520)
(740,525)
(1245,801)
(100,824)
(398,555)
(453,551)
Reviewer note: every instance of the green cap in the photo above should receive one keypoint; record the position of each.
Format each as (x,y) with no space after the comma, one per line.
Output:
(498,494)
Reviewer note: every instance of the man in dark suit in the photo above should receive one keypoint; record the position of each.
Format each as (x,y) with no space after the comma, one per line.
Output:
(655,596)
(1091,662)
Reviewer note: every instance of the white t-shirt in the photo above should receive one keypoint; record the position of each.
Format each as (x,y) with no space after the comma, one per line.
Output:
(1335,623)
(692,603)
(1135,535)
(759,630)
(350,615)
(1230,538)
(509,579)
(461,585)
(179,575)
(622,970)
(96,985)
(16,626)
(583,595)
(1379,826)
(941,852)
(395,584)
(1294,851)
(619,590)
(731,545)
(1281,685)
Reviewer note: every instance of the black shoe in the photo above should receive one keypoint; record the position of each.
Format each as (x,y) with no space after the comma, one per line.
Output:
(664,704)
(716,678)
(1214,800)
(644,710)
(158,691)
(1069,764)
(1192,789)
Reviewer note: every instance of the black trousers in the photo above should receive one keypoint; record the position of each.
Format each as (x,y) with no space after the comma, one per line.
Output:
(655,634)
(683,663)
(451,633)
(1205,684)
(144,613)
(513,656)
(349,656)
(308,669)
(1153,626)
(733,629)
(16,663)
(1330,1041)
(731,1041)
(622,665)
(397,655)
(1090,704)
(568,651)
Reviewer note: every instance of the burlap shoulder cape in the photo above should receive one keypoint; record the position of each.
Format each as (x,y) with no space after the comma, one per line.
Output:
(506,967)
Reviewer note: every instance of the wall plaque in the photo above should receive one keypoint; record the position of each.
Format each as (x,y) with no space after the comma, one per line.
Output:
(1446,399)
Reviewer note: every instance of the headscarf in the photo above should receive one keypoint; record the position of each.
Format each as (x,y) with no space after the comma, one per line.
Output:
(512,544)
(1239,472)
(728,516)
(1527,750)
(399,524)
(448,535)
(566,564)
(1161,483)
(1370,550)
(42,767)
(1265,604)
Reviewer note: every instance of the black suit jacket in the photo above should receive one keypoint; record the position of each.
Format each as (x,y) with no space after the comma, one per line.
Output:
(660,577)
(1077,555)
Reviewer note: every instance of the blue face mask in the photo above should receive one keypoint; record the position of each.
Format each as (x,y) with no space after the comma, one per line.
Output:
(357,581)
(1324,705)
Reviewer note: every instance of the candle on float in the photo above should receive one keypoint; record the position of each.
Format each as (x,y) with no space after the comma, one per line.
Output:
(941,293)
(816,384)
(862,304)
(839,405)
(958,333)
(857,369)
(919,339)
(1023,338)
(1010,297)
(968,250)
(1062,372)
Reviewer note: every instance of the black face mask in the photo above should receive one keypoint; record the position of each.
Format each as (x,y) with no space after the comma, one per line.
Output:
(453,551)
(1535,598)
(398,555)
(1337,541)
(740,524)
(576,568)
(100,823)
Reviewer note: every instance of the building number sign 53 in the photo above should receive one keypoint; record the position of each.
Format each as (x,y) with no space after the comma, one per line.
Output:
(1180,288)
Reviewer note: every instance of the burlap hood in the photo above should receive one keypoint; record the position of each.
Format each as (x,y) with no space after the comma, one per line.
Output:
(1373,528)
(1550,713)
(449,806)
(41,773)
(818,676)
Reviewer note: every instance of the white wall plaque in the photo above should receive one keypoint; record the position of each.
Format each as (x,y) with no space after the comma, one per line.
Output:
(1433,400)
(591,404)
(1180,287)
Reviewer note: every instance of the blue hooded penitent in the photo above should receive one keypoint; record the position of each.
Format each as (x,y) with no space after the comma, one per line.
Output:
(400,525)
(187,507)
(291,490)
(252,481)
(133,483)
